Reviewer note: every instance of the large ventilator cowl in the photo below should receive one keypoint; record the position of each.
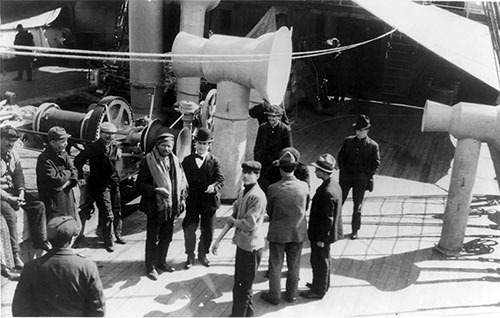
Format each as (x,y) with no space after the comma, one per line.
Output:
(263,64)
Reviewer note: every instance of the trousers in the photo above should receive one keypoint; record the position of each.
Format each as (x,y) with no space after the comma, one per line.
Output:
(320,264)
(277,251)
(357,181)
(108,203)
(158,238)
(245,270)
(190,224)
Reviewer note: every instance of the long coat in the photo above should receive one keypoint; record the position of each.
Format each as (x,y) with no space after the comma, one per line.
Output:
(325,218)
(199,179)
(287,202)
(102,167)
(52,171)
(145,186)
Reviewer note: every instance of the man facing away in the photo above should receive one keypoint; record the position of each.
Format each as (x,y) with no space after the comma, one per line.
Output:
(359,159)
(248,217)
(205,179)
(104,182)
(162,184)
(287,202)
(325,226)
(56,175)
(60,283)
(13,196)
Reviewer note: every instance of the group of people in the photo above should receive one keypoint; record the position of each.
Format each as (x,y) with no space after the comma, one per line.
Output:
(276,185)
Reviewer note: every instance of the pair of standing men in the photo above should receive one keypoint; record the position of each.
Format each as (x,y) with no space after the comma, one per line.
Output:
(202,171)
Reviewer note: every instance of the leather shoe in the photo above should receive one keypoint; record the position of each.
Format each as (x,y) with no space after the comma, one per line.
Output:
(189,263)
(290,298)
(309,285)
(152,274)
(354,236)
(166,268)
(46,246)
(204,261)
(110,248)
(310,295)
(120,240)
(265,297)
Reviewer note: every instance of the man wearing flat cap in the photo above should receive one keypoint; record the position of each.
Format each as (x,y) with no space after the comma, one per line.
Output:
(104,182)
(271,138)
(204,175)
(325,226)
(60,283)
(358,160)
(14,197)
(287,202)
(56,175)
(247,218)
(162,184)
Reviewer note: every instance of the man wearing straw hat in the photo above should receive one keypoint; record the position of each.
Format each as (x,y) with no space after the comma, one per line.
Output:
(325,226)
(104,182)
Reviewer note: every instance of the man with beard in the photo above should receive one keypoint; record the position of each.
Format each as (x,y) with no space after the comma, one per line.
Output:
(162,184)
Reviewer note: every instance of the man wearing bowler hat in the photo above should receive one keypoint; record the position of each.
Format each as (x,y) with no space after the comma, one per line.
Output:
(325,226)
(205,179)
(61,283)
(104,182)
(162,184)
(56,175)
(358,160)
(287,202)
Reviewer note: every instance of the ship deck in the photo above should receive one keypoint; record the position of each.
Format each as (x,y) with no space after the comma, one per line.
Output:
(392,269)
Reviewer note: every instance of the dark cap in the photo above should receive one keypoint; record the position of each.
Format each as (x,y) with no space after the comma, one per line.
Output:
(325,162)
(274,110)
(57,133)
(362,122)
(287,159)
(19,27)
(61,229)
(9,132)
(163,137)
(204,135)
(251,165)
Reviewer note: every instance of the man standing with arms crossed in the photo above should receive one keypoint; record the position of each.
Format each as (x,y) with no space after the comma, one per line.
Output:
(325,226)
